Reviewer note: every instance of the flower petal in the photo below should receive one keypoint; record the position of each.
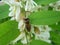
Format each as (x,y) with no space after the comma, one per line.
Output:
(24,41)
(19,37)
(20,24)
(13,18)
(11,14)
(18,13)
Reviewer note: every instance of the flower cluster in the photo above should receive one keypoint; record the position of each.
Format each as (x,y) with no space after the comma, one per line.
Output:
(19,11)
(55,5)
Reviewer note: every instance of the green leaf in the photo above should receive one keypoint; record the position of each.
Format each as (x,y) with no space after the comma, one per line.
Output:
(39,42)
(8,32)
(55,27)
(55,34)
(44,2)
(5,19)
(36,42)
(44,17)
(55,37)
(4,10)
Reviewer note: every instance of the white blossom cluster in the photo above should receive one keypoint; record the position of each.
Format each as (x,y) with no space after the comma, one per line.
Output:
(55,5)
(41,32)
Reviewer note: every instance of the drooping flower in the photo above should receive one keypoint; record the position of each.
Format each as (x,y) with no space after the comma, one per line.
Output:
(30,5)
(15,9)
(42,32)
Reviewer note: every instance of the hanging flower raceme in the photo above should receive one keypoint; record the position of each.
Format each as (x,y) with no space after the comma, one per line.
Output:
(18,9)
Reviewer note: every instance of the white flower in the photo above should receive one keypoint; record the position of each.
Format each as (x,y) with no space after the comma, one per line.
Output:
(30,5)
(14,9)
(58,2)
(56,5)
(24,41)
(42,33)
(21,25)
(43,36)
